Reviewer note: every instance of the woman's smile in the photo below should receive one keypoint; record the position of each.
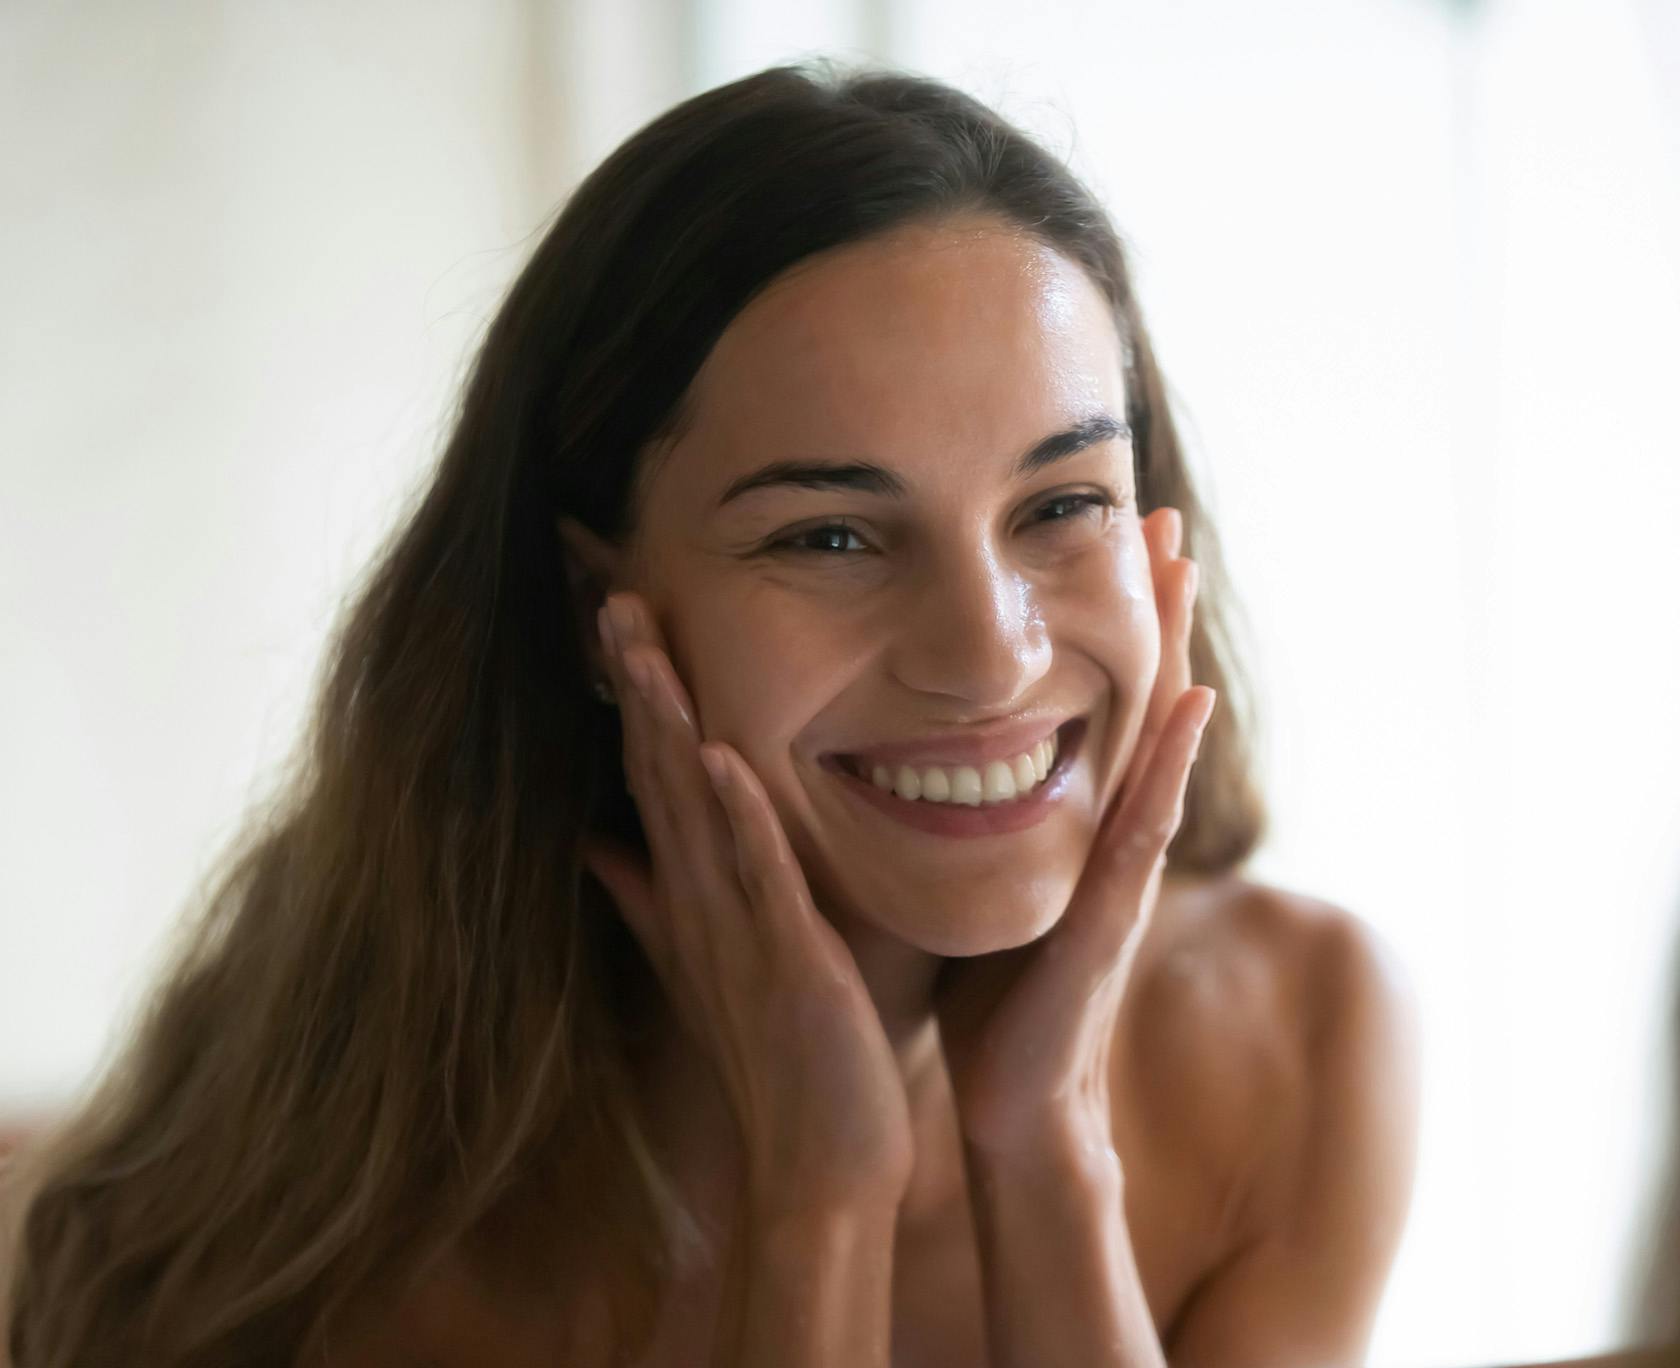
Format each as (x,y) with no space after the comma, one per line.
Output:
(988,784)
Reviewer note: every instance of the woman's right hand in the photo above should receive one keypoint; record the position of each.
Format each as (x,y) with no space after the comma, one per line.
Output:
(758,977)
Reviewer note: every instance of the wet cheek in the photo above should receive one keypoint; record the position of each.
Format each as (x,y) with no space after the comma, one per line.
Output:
(1122,635)
(1117,632)
(1130,572)
(1111,609)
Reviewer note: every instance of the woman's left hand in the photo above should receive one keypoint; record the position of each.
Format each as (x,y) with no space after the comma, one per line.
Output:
(1027,1033)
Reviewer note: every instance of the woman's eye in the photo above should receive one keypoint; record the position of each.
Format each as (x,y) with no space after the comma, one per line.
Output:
(838,539)
(1069,506)
(830,539)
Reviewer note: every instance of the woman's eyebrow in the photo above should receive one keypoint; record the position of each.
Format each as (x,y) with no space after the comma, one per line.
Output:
(869,478)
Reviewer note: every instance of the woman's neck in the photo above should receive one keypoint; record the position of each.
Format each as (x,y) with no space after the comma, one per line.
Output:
(900,980)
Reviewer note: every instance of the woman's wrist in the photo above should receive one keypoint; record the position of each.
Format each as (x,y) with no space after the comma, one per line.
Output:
(816,1287)
(1061,1285)
(1062,1151)
(820,1225)
(813,1206)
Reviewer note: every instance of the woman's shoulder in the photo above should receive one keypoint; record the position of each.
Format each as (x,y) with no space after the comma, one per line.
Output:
(1253,1007)
(1233,955)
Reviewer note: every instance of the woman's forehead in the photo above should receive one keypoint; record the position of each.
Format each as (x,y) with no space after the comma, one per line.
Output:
(929,329)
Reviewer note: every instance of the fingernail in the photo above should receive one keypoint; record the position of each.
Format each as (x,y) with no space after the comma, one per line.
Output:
(642,677)
(1192,578)
(716,768)
(623,620)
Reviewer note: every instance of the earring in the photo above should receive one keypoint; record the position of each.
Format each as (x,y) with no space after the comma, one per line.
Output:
(603,691)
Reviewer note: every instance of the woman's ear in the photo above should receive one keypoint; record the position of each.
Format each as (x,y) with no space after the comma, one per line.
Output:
(594,566)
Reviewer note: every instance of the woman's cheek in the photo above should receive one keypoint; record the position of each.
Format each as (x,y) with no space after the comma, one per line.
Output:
(1129,567)
(1132,590)
(1110,606)
(1112,619)
(753,677)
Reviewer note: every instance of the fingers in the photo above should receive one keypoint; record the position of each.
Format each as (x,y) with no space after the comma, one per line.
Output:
(688,836)
(1172,535)
(714,817)
(1130,850)
(740,888)
(1147,821)
(698,826)
(768,870)
(1105,922)
(1131,847)
(773,1004)
(1176,581)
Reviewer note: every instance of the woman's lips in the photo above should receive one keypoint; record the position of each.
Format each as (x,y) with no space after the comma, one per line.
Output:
(956,819)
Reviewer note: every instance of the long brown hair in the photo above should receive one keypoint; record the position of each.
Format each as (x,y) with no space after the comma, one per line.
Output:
(401,1008)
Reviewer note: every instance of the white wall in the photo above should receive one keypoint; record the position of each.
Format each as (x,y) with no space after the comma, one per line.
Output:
(1413,279)
(245,253)
(242,252)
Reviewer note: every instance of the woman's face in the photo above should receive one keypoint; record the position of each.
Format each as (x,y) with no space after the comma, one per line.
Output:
(861,573)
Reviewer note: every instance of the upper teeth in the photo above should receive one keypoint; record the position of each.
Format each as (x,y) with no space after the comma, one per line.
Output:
(997,782)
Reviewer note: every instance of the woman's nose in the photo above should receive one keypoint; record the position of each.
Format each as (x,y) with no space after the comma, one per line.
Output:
(972,632)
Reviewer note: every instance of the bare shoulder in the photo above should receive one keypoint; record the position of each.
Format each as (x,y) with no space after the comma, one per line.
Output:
(1255,1010)
(1237,959)
(1271,1043)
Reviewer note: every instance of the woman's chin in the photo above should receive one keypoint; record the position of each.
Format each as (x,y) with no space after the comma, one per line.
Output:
(972,946)
(949,924)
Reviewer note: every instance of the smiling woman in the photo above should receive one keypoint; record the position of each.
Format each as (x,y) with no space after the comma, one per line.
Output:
(765,886)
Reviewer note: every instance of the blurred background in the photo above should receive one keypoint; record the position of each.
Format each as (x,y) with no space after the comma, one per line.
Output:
(1413,271)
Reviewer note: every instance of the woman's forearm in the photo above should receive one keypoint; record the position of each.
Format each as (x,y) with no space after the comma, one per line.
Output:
(1061,1285)
(810,1289)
